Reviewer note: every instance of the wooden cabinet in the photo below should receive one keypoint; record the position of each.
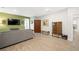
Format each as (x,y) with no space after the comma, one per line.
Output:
(57,28)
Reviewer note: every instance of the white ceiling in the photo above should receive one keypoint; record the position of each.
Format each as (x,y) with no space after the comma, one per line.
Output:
(31,11)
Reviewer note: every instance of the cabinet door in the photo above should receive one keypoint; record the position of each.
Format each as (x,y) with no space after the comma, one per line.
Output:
(57,28)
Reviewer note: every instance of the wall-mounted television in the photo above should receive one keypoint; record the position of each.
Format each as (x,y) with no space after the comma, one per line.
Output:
(13,22)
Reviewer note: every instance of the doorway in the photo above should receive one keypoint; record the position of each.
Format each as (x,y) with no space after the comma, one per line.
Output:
(37,26)
(76,32)
(27,23)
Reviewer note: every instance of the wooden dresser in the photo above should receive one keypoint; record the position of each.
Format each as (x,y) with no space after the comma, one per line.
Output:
(57,28)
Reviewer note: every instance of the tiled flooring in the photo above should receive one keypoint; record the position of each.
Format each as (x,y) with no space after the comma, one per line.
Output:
(76,40)
(42,43)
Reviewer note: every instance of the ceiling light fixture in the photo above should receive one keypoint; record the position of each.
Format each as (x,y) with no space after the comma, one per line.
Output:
(47,9)
(14,10)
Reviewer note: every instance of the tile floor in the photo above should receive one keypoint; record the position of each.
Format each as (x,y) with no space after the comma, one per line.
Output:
(42,42)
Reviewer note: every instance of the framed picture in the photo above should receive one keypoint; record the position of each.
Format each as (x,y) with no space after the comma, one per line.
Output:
(46,22)
(3,21)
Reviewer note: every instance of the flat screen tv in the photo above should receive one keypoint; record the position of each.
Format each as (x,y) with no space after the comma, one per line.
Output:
(13,22)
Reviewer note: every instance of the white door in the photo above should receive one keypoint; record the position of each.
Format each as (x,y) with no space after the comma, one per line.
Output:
(27,23)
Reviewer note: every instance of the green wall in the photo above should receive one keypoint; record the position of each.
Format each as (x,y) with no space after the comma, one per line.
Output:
(4,25)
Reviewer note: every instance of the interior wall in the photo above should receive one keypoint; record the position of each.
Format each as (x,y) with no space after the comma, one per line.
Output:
(60,16)
(72,14)
(66,16)
(5,16)
(67,23)
(75,18)
(45,27)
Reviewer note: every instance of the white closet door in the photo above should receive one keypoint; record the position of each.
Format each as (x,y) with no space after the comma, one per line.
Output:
(26,23)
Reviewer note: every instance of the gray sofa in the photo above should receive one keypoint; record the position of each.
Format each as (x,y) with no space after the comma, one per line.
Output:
(14,36)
